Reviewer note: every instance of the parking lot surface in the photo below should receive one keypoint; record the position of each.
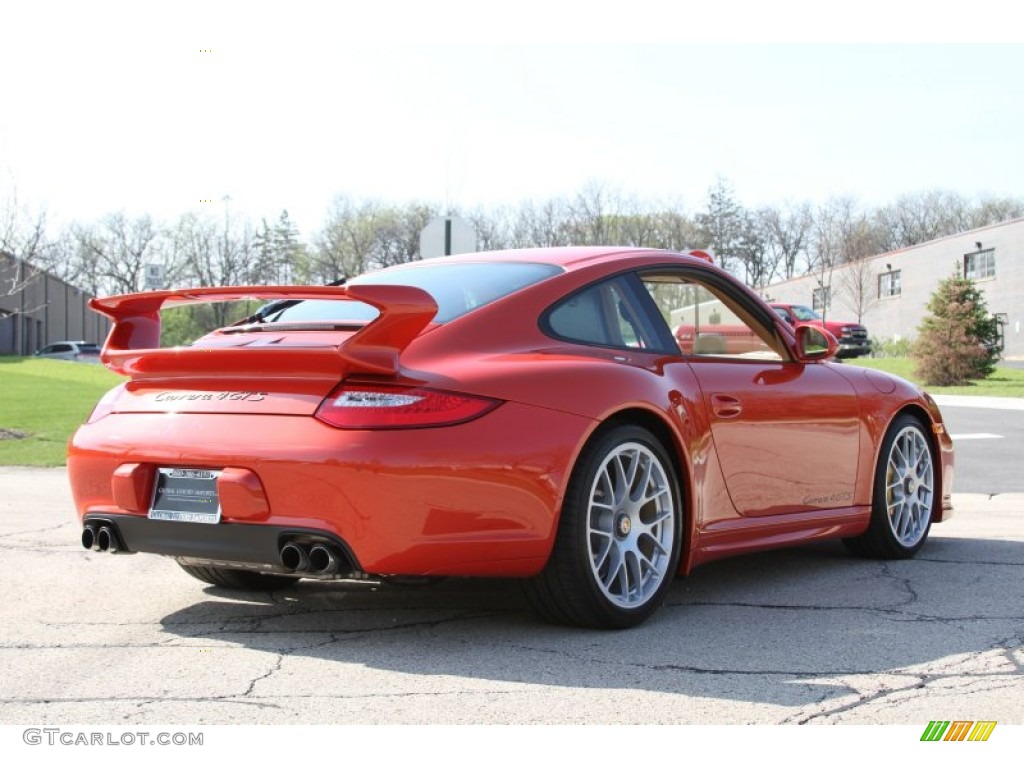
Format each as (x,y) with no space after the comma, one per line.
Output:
(808,635)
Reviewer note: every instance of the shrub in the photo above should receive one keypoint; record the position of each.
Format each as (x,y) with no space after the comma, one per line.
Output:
(891,348)
(954,341)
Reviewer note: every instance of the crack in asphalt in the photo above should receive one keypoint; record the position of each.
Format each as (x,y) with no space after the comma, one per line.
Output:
(922,685)
(916,616)
(967,562)
(276,667)
(139,701)
(257,701)
(902,581)
(36,530)
(862,699)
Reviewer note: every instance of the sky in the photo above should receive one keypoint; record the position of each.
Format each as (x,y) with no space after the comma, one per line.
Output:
(164,108)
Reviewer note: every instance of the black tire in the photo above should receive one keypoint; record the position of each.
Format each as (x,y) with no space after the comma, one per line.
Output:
(231,578)
(903,497)
(600,547)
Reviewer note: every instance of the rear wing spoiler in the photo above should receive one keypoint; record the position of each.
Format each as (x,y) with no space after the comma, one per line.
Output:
(133,348)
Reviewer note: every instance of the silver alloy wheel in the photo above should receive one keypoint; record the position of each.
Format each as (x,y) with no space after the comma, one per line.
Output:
(909,491)
(630,525)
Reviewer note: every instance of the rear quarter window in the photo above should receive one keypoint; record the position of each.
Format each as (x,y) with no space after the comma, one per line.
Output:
(458,288)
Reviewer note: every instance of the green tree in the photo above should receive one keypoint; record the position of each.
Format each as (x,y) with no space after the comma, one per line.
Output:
(721,225)
(954,342)
(280,256)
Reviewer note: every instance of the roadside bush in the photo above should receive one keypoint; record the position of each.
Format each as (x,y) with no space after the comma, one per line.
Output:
(954,341)
(891,348)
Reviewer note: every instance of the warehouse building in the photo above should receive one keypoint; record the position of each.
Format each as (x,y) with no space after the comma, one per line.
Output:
(889,293)
(37,309)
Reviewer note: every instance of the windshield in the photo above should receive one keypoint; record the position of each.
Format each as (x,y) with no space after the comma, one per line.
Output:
(457,288)
(805,313)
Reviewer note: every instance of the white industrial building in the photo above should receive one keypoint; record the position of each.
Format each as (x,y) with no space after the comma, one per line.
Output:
(892,290)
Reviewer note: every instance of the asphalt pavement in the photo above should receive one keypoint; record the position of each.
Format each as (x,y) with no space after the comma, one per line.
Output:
(988,434)
(805,635)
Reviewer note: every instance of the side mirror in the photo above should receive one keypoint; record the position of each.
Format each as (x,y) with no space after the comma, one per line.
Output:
(813,343)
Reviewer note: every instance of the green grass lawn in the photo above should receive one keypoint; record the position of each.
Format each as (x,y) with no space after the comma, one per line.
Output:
(46,400)
(1005,382)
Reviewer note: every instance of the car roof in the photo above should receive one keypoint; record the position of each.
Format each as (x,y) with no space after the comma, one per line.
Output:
(568,258)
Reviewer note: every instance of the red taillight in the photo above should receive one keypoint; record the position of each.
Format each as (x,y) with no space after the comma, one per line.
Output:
(106,404)
(373,406)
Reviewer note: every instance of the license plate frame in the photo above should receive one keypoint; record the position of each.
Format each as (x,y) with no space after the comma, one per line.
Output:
(185,495)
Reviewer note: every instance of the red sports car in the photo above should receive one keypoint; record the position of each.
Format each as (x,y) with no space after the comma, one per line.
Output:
(523,414)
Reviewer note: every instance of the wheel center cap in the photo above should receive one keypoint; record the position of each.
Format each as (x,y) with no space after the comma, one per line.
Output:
(911,485)
(623,525)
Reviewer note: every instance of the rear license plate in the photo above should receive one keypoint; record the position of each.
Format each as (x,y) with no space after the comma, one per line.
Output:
(185,495)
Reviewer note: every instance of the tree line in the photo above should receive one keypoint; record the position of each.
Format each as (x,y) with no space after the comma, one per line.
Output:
(759,245)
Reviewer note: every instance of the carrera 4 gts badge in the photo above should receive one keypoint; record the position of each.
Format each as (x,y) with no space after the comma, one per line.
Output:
(171,397)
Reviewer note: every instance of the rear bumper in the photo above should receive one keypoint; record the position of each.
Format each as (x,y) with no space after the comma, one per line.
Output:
(233,545)
(477,499)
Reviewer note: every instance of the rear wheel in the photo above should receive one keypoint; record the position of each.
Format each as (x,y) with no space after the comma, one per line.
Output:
(231,578)
(619,537)
(903,496)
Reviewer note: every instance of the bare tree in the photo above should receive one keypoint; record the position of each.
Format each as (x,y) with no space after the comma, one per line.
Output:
(345,246)
(113,254)
(922,216)
(540,225)
(826,247)
(493,229)
(788,231)
(23,235)
(753,249)
(676,231)
(858,287)
(992,210)
(398,234)
(212,253)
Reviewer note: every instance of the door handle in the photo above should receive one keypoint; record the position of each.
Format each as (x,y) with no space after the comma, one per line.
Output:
(726,406)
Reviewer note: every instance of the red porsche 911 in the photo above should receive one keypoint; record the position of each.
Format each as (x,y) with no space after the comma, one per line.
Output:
(526,414)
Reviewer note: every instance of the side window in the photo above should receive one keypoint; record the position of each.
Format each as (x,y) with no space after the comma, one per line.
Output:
(784,314)
(606,314)
(706,322)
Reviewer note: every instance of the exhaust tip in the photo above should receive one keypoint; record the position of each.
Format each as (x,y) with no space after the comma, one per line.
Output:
(89,537)
(106,540)
(323,560)
(294,557)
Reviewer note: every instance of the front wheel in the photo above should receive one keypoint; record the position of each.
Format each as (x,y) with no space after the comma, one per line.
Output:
(903,496)
(619,537)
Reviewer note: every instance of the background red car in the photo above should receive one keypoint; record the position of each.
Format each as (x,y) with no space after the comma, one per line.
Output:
(518,414)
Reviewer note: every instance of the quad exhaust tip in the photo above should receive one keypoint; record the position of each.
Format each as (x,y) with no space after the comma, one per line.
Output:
(89,538)
(101,538)
(317,560)
(322,560)
(294,557)
(106,540)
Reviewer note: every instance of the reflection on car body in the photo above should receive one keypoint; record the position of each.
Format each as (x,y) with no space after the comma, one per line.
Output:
(78,351)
